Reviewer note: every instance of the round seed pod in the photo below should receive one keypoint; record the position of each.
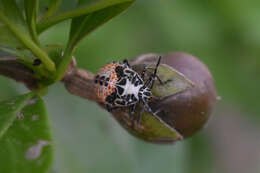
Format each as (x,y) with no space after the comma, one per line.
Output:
(183,101)
(189,111)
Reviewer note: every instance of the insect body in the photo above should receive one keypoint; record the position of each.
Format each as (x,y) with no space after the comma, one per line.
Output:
(118,85)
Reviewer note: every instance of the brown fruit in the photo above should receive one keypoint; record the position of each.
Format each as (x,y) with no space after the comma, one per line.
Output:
(189,111)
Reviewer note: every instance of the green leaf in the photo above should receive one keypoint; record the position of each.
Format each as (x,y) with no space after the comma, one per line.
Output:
(31,12)
(7,38)
(85,7)
(156,130)
(18,32)
(92,14)
(26,41)
(12,12)
(9,9)
(52,7)
(9,109)
(173,82)
(26,143)
(83,25)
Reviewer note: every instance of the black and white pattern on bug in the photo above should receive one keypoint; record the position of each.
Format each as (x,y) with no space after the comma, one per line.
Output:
(130,88)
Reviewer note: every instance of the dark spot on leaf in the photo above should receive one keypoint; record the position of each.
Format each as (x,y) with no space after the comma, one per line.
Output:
(37,62)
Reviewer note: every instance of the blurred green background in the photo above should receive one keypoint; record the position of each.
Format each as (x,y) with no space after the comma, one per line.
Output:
(224,34)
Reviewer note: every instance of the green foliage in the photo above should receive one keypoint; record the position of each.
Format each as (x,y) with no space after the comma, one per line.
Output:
(224,34)
(25,137)
(83,25)
(85,7)
(9,10)
(228,44)
(156,130)
(31,13)
(95,13)
(175,82)
(9,110)
(18,31)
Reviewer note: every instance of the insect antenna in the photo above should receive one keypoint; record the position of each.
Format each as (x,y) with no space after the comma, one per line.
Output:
(155,72)
(154,75)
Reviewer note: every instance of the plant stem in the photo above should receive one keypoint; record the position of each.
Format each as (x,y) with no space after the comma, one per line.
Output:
(62,67)
(19,72)
(34,34)
(31,12)
(38,52)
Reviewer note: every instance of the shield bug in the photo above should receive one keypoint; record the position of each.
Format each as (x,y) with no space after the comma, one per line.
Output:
(118,85)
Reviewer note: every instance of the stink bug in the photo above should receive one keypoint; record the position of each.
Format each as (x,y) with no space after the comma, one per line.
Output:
(118,85)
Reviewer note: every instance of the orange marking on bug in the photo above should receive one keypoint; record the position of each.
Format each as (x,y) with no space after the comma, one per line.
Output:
(108,71)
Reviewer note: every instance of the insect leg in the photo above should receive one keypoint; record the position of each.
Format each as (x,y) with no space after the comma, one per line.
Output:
(132,109)
(143,72)
(139,118)
(154,75)
(158,78)
(148,108)
(110,108)
(148,81)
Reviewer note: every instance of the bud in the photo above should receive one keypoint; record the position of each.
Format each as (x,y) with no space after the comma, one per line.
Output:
(183,102)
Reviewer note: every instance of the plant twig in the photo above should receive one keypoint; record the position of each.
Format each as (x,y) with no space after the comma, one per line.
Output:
(80,82)
(77,81)
(19,72)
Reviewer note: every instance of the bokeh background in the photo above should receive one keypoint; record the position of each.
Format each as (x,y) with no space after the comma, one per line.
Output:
(224,34)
